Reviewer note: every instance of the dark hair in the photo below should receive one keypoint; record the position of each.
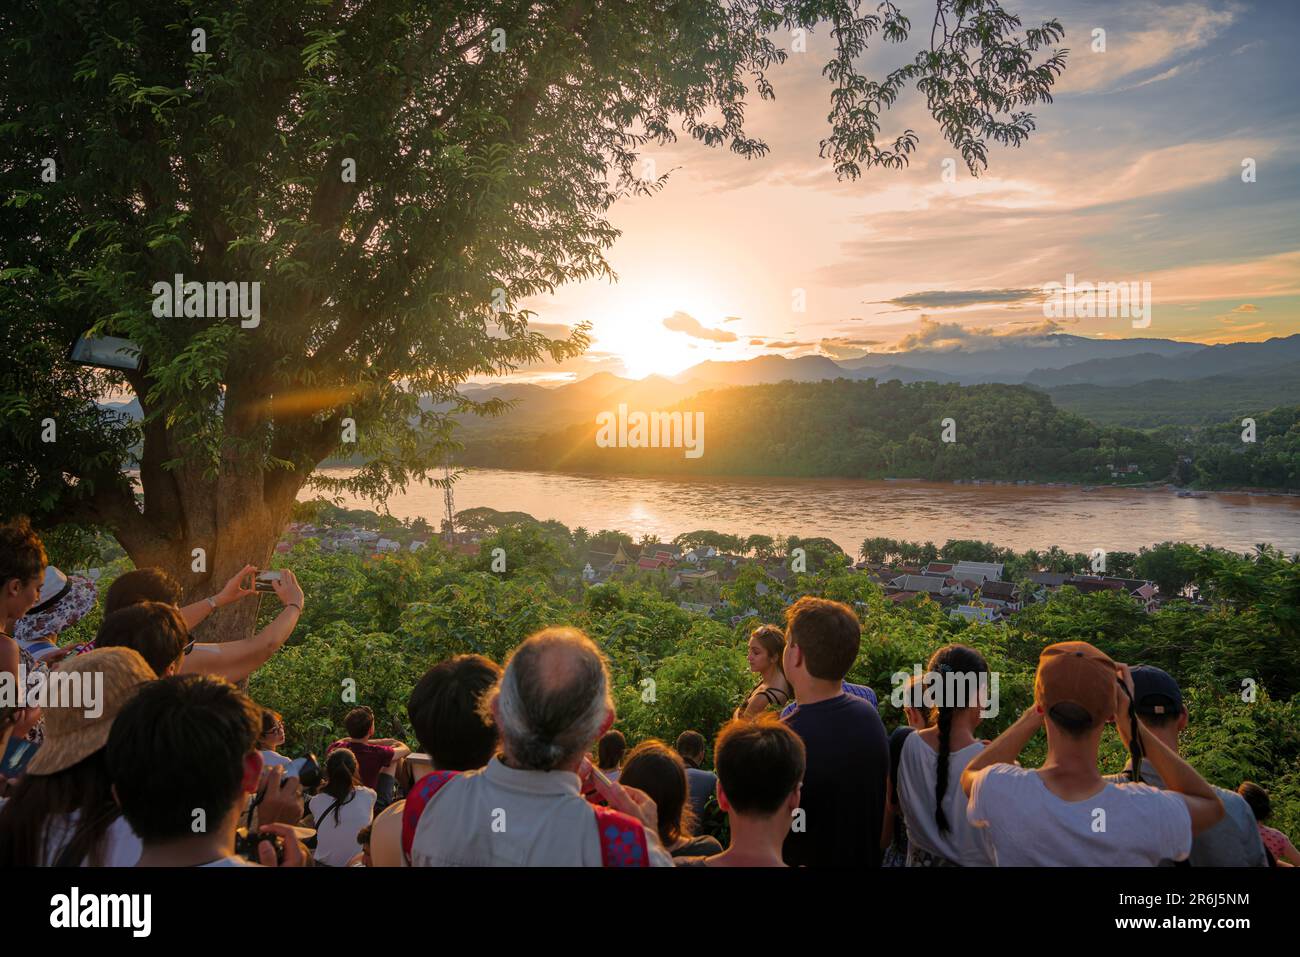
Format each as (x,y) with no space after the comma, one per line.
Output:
(363,835)
(22,555)
(962,661)
(773,641)
(759,763)
(690,745)
(827,632)
(444,713)
(179,746)
(341,778)
(270,719)
(659,771)
(610,748)
(84,789)
(154,629)
(143,584)
(1073,719)
(1258,800)
(359,722)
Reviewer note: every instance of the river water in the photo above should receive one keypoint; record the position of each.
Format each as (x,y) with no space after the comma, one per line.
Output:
(849,510)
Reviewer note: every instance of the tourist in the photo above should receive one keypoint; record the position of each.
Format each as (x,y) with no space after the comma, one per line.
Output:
(62,811)
(843,796)
(154,629)
(22,572)
(930,764)
(272,737)
(1234,841)
(690,745)
(1065,813)
(659,771)
(609,752)
(1280,849)
(64,601)
(760,765)
(343,806)
(363,859)
(893,838)
(551,705)
(182,755)
(233,660)
(764,652)
(452,732)
(376,757)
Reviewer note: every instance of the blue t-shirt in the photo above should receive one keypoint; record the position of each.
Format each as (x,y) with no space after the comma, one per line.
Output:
(701,785)
(843,799)
(862,691)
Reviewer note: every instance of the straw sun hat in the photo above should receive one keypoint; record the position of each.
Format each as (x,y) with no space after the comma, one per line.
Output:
(71,734)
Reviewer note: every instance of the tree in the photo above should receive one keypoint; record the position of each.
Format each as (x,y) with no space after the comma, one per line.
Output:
(375,187)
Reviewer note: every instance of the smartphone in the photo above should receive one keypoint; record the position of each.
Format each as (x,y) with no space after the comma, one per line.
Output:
(265,581)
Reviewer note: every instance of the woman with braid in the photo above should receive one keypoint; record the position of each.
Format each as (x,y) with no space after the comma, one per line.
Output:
(930,767)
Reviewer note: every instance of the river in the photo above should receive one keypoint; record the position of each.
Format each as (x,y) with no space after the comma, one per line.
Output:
(849,510)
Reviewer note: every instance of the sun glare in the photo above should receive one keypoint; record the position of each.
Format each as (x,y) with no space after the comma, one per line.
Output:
(638,335)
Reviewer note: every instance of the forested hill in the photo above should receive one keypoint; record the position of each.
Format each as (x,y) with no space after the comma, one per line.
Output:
(859,429)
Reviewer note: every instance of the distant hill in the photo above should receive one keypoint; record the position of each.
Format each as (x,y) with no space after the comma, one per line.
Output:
(1213,399)
(859,429)
(1229,359)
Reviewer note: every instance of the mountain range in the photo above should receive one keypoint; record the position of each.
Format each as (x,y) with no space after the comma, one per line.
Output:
(1115,381)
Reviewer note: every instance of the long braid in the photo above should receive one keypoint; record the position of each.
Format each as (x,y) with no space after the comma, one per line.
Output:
(945,710)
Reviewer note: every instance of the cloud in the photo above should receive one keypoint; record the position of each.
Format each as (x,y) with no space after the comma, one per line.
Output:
(732,319)
(779,344)
(842,347)
(1140,39)
(1247,307)
(955,298)
(689,325)
(953,336)
(757,341)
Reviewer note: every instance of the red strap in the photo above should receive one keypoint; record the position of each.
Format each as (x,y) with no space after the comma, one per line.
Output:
(622,839)
(416,801)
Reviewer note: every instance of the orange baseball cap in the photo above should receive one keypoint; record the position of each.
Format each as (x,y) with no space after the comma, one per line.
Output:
(1078,673)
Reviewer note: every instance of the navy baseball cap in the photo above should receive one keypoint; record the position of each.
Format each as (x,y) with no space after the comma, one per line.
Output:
(1155,691)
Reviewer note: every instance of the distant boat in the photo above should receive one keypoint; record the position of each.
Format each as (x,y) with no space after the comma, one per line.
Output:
(1186,494)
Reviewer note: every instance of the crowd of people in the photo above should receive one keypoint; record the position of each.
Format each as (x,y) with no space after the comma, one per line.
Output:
(520,763)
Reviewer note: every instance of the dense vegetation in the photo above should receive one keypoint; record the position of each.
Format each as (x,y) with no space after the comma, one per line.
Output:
(864,429)
(868,429)
(381,622)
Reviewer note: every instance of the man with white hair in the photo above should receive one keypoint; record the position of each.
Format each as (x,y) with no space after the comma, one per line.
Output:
(526,807)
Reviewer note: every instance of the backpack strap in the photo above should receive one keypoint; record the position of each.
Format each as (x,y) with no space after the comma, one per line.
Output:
(622,839)
(416,800)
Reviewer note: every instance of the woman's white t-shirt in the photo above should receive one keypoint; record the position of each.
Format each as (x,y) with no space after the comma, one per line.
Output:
(121,848)
(918,768)
(273,759)
(336,843)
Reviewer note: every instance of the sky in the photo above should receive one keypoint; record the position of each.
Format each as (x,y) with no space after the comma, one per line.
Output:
(1134,174)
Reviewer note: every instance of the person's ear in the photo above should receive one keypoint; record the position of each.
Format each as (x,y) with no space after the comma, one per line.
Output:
(795,797)
(608,723)
(252,772)
(723,803)
(1182,720)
